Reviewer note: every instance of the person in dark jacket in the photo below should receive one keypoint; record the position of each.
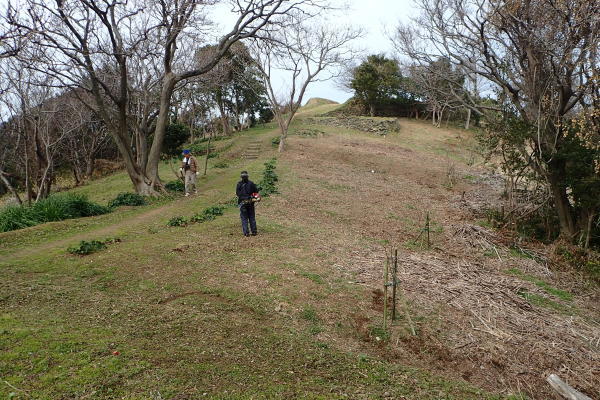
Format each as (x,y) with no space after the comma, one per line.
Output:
(245,190)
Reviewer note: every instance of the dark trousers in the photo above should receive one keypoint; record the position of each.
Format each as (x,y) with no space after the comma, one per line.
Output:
(247,215)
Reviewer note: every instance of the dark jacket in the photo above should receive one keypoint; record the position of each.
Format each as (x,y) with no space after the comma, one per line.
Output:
(244,190)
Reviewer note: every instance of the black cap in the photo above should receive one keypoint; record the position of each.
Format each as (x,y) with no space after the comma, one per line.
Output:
(244,174)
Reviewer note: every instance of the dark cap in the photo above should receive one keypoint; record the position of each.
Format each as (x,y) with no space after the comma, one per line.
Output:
(244,174)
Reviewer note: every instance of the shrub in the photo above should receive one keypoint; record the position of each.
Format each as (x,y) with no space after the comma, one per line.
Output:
(275,141)
(127,199)
(208,214)
(54,208)
(221,164)
(175,135)
(87,247)
(177,221)
(175,186)
(199,149)
(268,184)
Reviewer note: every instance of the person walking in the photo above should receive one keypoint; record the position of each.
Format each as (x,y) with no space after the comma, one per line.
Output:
(247,194)
(189,169)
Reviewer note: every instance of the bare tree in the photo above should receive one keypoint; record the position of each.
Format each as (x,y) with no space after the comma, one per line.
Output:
(93,46)
(542,57)
(307,51)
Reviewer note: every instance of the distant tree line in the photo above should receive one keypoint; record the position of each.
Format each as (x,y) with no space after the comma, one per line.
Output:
(135,80)
(530,71)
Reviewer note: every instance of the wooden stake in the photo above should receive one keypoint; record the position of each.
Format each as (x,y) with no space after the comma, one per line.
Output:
(385,289)
(427,227)
(394,278)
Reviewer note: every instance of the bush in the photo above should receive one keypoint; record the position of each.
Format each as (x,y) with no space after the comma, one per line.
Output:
(177,221)
(127,199)
(175,186)
(268,185)
(57,207)
(275,141)
(87,247)
(175,135)
(221,164)
(199,149)
(208,214)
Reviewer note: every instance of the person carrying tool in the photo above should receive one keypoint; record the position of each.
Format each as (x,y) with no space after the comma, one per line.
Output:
(248,196)
(189,170)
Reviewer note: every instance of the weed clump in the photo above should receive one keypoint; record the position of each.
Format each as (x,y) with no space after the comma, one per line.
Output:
(208,214)
(221,164)
(85,247)
(57,207)
(175,186)
(93,246)
(127,199)
(178,221)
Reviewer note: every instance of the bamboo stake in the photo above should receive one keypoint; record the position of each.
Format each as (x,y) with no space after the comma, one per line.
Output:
(394,278)
(385,290)
(427,227)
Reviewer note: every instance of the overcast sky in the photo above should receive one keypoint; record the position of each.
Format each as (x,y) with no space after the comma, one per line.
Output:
(374,16)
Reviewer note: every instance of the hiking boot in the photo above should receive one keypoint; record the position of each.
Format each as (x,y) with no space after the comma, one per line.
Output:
(254,233)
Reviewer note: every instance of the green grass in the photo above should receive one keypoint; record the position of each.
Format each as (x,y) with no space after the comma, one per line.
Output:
(57,207)
(561,294)
(316,278)
(544,302)
(187,312)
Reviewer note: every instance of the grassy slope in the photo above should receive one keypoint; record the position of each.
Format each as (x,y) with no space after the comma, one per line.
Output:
(194,311)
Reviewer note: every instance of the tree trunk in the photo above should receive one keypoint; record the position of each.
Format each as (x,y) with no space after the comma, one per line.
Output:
(10,187)
(564,210)
(283,128)
(89,167)
(159,132)
(468,121)
(588,230)
(372,110)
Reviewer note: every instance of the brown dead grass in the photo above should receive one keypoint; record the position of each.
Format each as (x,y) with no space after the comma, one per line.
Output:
(357,195)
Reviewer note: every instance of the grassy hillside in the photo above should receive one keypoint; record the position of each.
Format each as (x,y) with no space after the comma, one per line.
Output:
(202,312)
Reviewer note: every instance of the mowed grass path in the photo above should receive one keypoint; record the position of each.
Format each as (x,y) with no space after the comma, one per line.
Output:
(187,313)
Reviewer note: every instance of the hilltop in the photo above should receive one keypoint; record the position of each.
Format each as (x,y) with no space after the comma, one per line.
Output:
(296,312)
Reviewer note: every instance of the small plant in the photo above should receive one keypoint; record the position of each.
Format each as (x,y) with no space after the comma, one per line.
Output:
(127,199)
(208,214)
(85,248)
(310,314)
(221,164)
(275,141)
(93,246)
(175,186)
(177,221)
(379,333)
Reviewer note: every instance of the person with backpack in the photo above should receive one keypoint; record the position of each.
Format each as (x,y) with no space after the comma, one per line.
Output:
(189,169)
(248,196)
